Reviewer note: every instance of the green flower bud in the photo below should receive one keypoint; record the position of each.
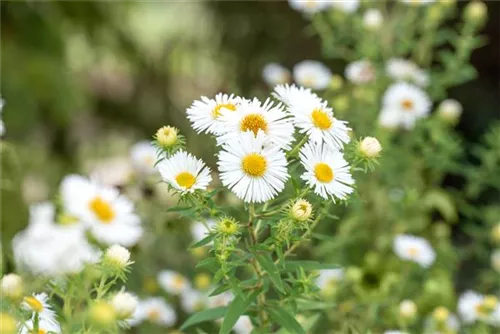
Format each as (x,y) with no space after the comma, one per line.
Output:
(475,11)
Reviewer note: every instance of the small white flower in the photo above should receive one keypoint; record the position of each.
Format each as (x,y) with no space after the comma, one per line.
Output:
(124,304)
(309,6)
(243,325)
(204,114)
(372,19)
(329,277)
(193,300)
(360,72)
(143,157)
(326,171)
(291,94)
(312,74)
(495,260)
(38,303)
(44,326)
(222,299)
(411,248)
(301,210)
(11,286)
(109,215)
(118,256)
(155,310)
(253,172)
(405,70)
(112,172)
(370,147)
(252,116)
(407,308)
(450,110)
(347,6)
(185,173)
(275,74)
(404,104)
(173,282)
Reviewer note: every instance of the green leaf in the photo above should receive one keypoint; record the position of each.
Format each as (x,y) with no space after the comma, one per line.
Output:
(313,305)
(274,275)
(203,241)
(285,319)
(180,208)
(219,290)
(237,307)
(206,315)
(210,264)
(309,265)
(308,324)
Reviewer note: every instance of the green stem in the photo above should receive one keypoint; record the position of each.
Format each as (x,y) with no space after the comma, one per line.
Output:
(297,147)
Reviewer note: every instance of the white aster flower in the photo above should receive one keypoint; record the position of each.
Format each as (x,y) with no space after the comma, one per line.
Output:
(252,116)
(38,303)
(404,104)
(309,6)
(143,156)
(360,72)
(473,306)
(44,326)
(253,172)
(329,277)
(204,114)
(275,74)
(347,6)
(185,173)
(124,304)
(173,282)
(405,70)
(193,300)
(155,310)
(117,256)
(411,248)
(372,19)
(243,325)
(291,94)
(312,74)
(109,215)
(222,299)
(326,171)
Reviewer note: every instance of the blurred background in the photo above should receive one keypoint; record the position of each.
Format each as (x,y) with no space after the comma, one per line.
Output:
(89,79)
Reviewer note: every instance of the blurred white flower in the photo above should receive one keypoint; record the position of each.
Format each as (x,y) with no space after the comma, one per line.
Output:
(193,300)
(173,282)
(312,74)
(347,6)
(309,6)
(372,19)
(407,308)
(473,306)
(450,110)
(329,277)
(243,325)
(143,157)
(109,215)
(360,72)
(46,248)
(411,248)
(404,104)
(124,304)
(38,303)
(11,286)
(155,310)
(276,74)
(112,172)
(222,299)
(405,70)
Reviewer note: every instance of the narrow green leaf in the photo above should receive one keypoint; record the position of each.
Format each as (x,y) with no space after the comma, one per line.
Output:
(310,305)
(180,208)
(206,315)
(285,319)
(209,264)
(203,241)
(219,290)
(237,307)
(274,275)
(308,324)
(308,265)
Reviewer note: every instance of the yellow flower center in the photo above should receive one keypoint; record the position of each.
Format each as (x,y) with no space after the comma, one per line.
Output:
(320,119)
(102,209)
(254,123)
(34,303)
(323,172)
(153,315)
(178,282)
(254,164)
(216,112)
(407,104)
(412,251)
(185,179)
(42,331)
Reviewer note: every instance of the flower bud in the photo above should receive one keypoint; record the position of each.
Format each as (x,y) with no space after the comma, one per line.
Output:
(7,324)
(495,234)
(116,258)
(475,11)
(336,82)
(440,314)
(301,210)
(124,304)
(407,309)
(450,110)
(370,147)
(11,286)
(167,136)
(372,20)
(102,314)
(202,281)
(495,260)
(228,226)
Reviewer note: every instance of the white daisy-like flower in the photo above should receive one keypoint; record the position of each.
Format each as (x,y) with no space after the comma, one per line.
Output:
(405,103)
(404,70)
(124,304)
(309,6)
(291,94)
(222,299)
(314,118)
(372,19)
(193,300)
(109,215)
(276,74)
(473,306)
(329,277)
(155,310)
(415,249)
(50,249)
(173,282)
(44,326)
(204,114)
(253,116)
(199,231)
(312,74)
(185,173)
(254,172)
(326,171)
(360,72)
(417,2)
(243,325)
(38,303)
(347,6)
(143,156)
